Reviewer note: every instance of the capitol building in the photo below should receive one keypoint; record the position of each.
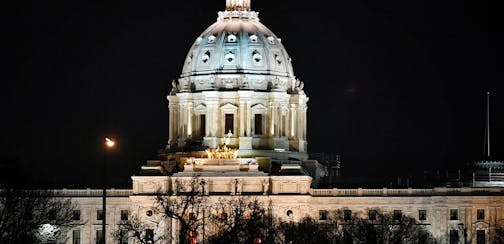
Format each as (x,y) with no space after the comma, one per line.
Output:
(237,128)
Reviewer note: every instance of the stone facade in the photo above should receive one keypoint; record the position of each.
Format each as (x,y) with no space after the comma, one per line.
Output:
(291,194)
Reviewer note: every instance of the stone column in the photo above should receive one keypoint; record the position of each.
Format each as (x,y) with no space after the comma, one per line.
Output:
(242,118)
(302,122)
(189,119)
(212,119)
(293,120)
(272,119)
(245,139)
(173,119)
(183,119)
(170,124)
(248,129)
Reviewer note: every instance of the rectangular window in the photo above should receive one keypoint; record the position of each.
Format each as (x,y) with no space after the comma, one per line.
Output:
(149,235)
(99,214)
(372,214)
(422,214)
(76,237)
(454,214)
(258,121)
(229,124)
(323,214)
(397,215)
(76,215)
(481,214)
(480,237)
(454,237)
(99,237)
(124,214)
(347,214)
(202,125)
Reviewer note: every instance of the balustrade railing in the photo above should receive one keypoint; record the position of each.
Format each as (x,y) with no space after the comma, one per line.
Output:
(406,192)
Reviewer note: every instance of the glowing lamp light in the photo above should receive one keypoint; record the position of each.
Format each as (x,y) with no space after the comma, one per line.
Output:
(109,142)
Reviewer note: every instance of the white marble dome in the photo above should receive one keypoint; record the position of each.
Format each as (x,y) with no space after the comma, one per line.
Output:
(237,53)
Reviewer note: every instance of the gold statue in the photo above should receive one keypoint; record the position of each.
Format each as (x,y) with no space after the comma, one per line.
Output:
(223,151)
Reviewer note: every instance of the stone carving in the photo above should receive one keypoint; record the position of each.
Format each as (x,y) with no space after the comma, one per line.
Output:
(175,186)
(175,88)
(265,184)
(223,151)
(299,88)
(236,186)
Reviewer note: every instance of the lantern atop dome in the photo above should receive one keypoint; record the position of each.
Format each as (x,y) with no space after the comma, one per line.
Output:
(238,5)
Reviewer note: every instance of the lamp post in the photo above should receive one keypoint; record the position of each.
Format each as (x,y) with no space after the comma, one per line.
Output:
(108,144)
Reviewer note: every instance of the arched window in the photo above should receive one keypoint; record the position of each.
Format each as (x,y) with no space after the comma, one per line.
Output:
(256,56)
(206,57)
(211,39)
(231,38)
(253,38)
(230,57)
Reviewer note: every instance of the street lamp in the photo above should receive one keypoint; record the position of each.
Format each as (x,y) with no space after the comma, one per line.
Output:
(109,143)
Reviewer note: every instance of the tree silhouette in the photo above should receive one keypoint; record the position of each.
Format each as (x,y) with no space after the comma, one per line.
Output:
(32,216)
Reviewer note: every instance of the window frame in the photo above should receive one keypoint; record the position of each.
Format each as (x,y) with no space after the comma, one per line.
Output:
(397,215)
(99,214)
(454,214)
(422,214)
(480,214)
(124,212)
(76,214)
(323,215)
(372,214)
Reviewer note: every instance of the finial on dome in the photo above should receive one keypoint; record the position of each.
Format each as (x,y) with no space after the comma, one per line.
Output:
(238,5)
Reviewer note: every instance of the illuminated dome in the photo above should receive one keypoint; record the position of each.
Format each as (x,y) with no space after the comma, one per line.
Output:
(237,53)
(237,86)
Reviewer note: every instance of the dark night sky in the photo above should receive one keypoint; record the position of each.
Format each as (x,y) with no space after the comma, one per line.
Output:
(394,86)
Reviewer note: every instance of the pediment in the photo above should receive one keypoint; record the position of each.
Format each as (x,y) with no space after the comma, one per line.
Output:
(228,107)
(200,109)
(259,107)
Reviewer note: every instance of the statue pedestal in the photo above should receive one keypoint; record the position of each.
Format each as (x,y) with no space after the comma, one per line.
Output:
(245,143)
(281,143)
(211,142)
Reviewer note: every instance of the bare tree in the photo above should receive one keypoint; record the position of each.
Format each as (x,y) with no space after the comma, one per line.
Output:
(31,216)
(239,220)
(398,228)
(308,230)
(344,226)
(141,230)
(498,235)
(185,205)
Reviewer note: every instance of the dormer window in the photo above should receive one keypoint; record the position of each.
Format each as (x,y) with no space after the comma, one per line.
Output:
(230,57)
(211,39)
(271,40)
(256,56)
(231,38)
(253,38)
(206,57)
(278,59)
